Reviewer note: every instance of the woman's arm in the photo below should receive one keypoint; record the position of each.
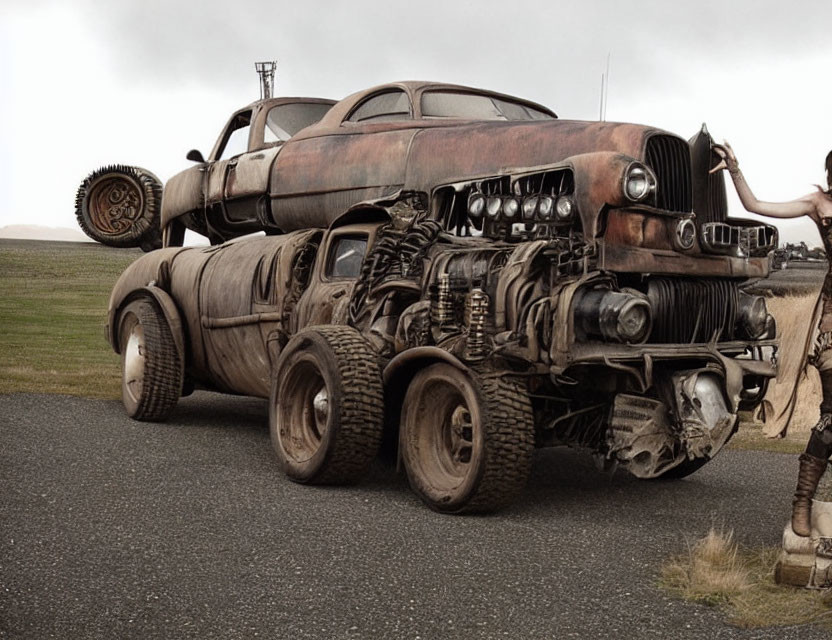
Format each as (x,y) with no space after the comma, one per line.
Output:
(805,206)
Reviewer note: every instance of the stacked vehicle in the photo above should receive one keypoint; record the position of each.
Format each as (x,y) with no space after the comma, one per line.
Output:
(462,274)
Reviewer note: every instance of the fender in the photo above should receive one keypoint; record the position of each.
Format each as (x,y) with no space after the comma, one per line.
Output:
(405,365)
(397,376)
(169,309)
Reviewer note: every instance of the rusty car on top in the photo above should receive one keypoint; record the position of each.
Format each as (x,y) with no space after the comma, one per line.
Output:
(461,273)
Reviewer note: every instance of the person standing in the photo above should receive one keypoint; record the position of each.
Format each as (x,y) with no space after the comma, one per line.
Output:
(818,206)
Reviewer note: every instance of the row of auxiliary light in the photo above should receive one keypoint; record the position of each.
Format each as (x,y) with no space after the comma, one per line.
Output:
(533,208)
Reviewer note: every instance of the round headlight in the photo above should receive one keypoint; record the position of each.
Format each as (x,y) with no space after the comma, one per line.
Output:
(633,321)
(638,182)
(685,233)
(476,205)
(493,206)
(564,207)
(510,207)
(545,208)
(614,316)
(529,207)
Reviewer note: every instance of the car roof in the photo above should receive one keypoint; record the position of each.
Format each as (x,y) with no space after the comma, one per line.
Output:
(267,103)
(414,88)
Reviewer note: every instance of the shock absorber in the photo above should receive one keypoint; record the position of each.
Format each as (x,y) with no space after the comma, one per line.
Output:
(476,312)
(442,309)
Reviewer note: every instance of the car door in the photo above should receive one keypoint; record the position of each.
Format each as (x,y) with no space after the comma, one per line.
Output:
(336,271)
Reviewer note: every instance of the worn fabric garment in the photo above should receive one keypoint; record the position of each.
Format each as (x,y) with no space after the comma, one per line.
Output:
(820,440)
(821,357)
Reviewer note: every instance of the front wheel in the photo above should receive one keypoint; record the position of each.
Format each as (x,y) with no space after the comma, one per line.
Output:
(466,439)
(327,406)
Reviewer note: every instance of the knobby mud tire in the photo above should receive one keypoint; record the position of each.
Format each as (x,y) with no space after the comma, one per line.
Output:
(120,206)
(336,448)
(506,429)
(161,371)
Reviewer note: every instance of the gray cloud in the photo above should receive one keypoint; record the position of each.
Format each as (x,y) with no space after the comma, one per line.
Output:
(556,49)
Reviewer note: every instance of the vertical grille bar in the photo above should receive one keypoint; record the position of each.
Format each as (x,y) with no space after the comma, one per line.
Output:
(692,311)
(669,158)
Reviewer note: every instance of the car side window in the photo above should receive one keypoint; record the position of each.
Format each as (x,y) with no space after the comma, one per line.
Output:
(391,105)
(285,120)
(346,253)
(236,136)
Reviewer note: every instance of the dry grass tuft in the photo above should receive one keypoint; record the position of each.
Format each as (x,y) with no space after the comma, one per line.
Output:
(718,572)
(711,571)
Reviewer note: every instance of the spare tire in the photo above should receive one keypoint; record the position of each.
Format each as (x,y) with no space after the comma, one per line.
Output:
(120,206)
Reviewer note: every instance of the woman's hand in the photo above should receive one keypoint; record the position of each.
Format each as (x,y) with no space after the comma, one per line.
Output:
(729,159)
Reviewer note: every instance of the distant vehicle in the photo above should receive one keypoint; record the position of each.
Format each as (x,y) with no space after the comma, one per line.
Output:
(462,273)
(797,254)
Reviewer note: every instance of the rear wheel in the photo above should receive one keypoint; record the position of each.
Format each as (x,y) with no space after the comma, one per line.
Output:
(466,439)
(327,406)
(152,372)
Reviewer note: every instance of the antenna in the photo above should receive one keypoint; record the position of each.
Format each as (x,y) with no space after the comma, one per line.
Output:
(605,81)
(607,85)
(266,71)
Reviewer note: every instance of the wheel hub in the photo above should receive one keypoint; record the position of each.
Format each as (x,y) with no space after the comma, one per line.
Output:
(134,354)
(114,205)
(320,406)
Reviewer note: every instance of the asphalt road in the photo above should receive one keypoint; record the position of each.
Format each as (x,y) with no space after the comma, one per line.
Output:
(111,528)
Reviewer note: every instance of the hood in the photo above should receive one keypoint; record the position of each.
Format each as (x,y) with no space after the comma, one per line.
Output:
(441,155)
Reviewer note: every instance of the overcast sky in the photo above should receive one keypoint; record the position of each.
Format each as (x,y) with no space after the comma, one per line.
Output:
(86,83)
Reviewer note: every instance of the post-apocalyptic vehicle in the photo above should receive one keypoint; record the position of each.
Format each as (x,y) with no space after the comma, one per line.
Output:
(463,274)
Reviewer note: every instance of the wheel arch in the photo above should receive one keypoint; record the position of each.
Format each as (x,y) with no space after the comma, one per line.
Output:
(169,310)
(405,365)
(400,371)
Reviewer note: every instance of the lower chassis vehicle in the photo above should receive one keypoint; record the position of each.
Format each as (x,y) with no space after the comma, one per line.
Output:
(462,353)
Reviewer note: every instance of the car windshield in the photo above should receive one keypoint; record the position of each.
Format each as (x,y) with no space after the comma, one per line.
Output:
(285,120)
(472,106)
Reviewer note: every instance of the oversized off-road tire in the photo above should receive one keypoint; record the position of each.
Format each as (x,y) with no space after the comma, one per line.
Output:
(466,439)
(120,206)
(151,371)
(326,410)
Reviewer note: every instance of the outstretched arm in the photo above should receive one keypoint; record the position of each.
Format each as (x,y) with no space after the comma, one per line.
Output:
(805,206)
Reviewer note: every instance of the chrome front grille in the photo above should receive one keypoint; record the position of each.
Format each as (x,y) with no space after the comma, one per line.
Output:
(687,311)
(669,158)
(717,209)
(739,241)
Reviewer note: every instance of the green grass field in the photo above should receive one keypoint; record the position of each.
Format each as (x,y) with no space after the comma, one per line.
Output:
(53,308)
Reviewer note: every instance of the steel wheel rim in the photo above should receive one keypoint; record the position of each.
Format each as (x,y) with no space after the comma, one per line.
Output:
(134,361)
(114,204)
(447,443)
(304,412)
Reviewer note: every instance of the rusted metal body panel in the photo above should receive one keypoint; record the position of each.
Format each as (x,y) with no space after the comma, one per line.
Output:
(229,329)
(306,192)
(183,194)
(193,189)
(365,164)
(336,165)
